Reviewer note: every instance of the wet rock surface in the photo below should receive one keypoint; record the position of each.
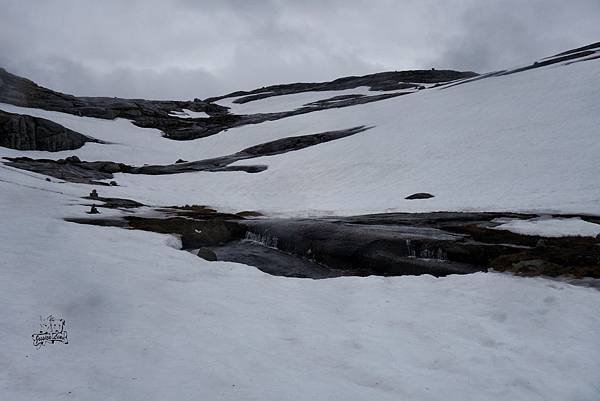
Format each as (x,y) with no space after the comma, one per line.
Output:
(273,261)
(389,244)
(207,254)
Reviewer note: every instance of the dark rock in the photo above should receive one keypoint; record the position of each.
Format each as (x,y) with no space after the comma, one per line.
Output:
(249,213)
(439,243)
(536,267)
(381,81)
(181,161)
(116,203)
(110,167)
(207,254)
(145,113)
(77,172)
(273,261)
(48,179)
(253,169)
(73,159)
(364,249)
(74,170)
(298,142)
(335,99)
(24,132)
(113,183)
(595,45)
(552,60)
(212,230)
(23,92)
(419,195)
(155,114)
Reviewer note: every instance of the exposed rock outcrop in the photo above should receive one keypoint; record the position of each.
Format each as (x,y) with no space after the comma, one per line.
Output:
(23,132)
(25,93)
(158,113)
(383,244)
(381,81)
(74,170)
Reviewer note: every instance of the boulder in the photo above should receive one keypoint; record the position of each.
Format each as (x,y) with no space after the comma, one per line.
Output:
(207,254)
(73,159)
(419,195)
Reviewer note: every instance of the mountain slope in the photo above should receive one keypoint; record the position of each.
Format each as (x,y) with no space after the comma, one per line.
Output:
(523,141)
(147,319)
(148,322)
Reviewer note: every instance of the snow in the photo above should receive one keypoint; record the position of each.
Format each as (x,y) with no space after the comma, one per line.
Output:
(551,227)
(185,113)
(127,143)
(292,101)
(507,143)
(147,321)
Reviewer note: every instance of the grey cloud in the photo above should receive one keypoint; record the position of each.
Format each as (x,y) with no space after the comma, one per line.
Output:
(189,48)
(495,35)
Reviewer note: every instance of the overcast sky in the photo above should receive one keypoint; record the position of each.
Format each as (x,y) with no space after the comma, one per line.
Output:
(195,48)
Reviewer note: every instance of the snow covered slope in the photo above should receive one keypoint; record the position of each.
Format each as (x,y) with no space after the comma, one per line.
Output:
(149,322)
(526,141)
(293,101)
